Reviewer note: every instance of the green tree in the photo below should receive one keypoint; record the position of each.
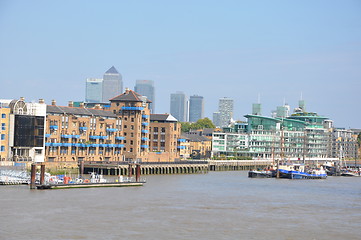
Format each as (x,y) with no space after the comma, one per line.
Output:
(205,123)
(186,126)
(200,124)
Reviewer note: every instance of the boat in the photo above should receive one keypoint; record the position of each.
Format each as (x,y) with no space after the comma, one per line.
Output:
(260,174)
(298,171)
(350,173)
(96,180)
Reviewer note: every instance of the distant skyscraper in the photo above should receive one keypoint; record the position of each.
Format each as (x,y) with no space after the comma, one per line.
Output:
(226,111)
(217,119)
(146,88)
(94,90)
(112,84)
(178,106)
(196,108)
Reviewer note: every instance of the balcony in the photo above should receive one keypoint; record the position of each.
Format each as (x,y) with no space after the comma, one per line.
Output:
(119,138)
(145,139)
(133,108)
(181,147)
(181,140)
(75,136)
(47,135)
(65,136)
(144,146)
(145,131)
(54,127)
(145,124)
(66,144)
(83,128)
(119,145)
(112,130)
(98,137)
(145,116)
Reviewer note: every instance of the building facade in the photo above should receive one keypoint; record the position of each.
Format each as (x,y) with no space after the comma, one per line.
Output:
(196,108)
(120,134)
(302,136)
(146,88)
(22,131)
(178,106)
(165,133)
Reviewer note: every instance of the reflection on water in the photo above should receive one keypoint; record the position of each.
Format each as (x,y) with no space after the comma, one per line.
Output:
(217,205)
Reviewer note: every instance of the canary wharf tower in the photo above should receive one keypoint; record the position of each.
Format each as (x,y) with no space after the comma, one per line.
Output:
(112,84)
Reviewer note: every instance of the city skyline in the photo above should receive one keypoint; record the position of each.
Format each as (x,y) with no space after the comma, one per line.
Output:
(279,50)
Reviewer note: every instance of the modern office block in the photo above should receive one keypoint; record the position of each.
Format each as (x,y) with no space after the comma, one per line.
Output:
(226,111)
(196,108)
(178,106)
(146,88)
(112,84)
(94,90)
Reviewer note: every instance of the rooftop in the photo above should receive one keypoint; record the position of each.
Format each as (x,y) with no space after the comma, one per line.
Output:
(129,96)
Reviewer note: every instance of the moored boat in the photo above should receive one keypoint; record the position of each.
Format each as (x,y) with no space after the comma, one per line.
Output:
(260,174)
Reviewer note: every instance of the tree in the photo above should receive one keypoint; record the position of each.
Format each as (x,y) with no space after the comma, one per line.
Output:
(205,123)
(200,124)
(186,126)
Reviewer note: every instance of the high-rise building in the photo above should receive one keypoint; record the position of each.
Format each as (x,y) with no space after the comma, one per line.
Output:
(94,90)
(196,108)
(178,106)
(146,88)
(226,111)
(112,84)
(217,119)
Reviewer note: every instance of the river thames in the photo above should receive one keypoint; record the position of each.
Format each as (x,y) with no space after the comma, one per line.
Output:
(217,205)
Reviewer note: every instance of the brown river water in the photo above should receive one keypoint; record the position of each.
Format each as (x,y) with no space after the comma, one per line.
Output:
(217,205)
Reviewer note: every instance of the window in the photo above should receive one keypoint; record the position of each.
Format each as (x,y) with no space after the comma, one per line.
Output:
(3,126)
(2,136)
(2,149)
(3,115)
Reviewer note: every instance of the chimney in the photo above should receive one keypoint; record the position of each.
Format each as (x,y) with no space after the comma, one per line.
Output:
(81,105)
(97,106)
(70,104)
(127,90)
(41,100)
(53,102)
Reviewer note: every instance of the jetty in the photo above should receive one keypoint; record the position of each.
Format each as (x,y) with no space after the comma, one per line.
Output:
(96,180)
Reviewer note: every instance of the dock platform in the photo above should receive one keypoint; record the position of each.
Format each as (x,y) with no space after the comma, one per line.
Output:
(89,185)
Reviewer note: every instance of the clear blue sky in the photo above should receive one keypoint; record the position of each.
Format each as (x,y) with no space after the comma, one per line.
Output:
(215,49)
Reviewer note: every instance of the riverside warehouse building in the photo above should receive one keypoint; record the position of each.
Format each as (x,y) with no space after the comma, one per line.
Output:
(67,134)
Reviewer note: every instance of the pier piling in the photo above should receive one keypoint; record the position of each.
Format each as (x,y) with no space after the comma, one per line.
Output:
(32,178)
(42,174)
(137,172)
